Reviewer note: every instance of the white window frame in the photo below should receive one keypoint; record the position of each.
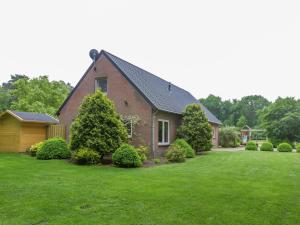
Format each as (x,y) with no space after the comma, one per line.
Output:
(96,84)
(131,129)
(214,132)
(163,132)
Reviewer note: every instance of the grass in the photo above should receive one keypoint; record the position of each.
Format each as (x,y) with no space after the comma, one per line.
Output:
(245,187)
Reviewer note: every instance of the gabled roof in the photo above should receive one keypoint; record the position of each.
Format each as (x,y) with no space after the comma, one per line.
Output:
(154,89)
(32,117)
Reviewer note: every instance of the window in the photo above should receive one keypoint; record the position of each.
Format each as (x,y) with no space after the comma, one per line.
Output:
(101,83)
(214,132)
(129,127)
(163,132)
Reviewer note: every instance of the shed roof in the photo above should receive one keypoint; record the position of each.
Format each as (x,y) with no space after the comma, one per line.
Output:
(32,117)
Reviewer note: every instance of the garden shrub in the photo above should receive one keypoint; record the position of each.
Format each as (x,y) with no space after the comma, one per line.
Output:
(266,146)
(175,154)
(229,137)
(35,148)
(98,126)
(189,151)
(195,128)
(143,151)
(284,147)
(156,161)
(126,156)
(251,145)
(54,148)
(298,148)
(86,156)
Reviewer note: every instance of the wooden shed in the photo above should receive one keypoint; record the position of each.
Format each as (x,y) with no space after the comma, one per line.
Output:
(19,130)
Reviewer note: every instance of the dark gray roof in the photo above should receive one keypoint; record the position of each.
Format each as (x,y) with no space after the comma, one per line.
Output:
(156,90)
(35,117)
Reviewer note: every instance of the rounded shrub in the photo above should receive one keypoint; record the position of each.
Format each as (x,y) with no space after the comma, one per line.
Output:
(251,145)
(35,148)
(189,151)
(175,154)
(284,147)
(229,137)
(54,148)
(298,148)
(85,156)
(266,146)
(143,151)
(126,156)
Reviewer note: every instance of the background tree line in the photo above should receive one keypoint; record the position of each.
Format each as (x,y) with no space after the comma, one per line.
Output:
(38,94)
(237,112)
(280,119)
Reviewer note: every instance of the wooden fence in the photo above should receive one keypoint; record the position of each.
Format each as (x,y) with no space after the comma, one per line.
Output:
(56,131)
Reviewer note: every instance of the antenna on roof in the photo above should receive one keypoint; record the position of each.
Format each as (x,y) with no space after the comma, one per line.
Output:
(94,54)
(170,87)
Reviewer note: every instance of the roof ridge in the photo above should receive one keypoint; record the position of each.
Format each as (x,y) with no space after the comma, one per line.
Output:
(146,71)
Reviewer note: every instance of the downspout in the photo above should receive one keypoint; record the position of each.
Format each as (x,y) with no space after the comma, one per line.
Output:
(153,119)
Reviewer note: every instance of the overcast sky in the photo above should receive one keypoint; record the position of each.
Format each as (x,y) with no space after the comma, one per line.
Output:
(225,48)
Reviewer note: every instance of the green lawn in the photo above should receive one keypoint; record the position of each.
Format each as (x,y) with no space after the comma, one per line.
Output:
(216,188)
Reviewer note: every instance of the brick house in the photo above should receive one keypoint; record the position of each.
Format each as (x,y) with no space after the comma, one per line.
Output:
(156,103)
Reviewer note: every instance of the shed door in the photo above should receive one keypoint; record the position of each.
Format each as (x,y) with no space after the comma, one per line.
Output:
(32,133)
(9,134)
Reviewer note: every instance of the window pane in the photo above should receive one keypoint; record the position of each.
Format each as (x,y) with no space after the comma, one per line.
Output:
(101,83)
(128,125)
(166,134)
(160,131)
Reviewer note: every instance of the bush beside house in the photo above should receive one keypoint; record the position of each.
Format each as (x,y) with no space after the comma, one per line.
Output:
(84,156)
(98,126)
(189,151)
(143,152)
(195,128)
(175,153)
(126,156)
(35,148)
(54,148)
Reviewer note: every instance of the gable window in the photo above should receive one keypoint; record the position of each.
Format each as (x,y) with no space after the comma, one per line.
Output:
(129,127)
(101,83)
(163,132)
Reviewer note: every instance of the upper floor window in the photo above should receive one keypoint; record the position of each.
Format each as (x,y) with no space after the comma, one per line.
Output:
(101,83)
(163,132)
(213,132)
(129,127)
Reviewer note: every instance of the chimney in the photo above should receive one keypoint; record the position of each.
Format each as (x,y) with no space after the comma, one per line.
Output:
(170,87)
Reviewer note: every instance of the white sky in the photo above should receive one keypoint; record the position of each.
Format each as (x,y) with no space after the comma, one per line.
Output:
(227,48)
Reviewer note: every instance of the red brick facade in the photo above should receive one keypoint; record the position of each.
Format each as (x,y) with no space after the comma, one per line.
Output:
(128,102)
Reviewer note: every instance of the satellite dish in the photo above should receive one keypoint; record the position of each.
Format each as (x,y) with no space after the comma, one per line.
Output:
(93,54)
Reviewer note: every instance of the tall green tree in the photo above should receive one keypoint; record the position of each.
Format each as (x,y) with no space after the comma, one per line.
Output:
(231,112)
(195,128)
(98,126)
(241,122)
(38,95)
(214,104)
(249,106)
(282,120)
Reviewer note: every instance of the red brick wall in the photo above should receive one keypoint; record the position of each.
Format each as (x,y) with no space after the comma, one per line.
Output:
(215,139)
(119,91)
(174,122)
